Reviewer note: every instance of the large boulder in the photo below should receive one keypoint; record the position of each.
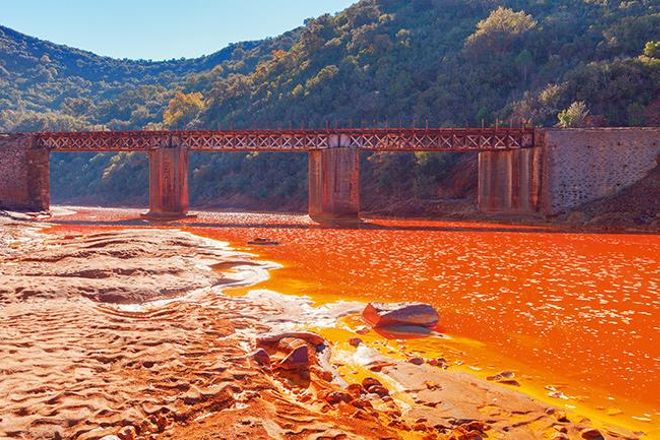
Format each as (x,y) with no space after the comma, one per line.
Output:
(400,314)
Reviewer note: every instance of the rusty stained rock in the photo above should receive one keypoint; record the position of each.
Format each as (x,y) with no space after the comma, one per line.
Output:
(400,314)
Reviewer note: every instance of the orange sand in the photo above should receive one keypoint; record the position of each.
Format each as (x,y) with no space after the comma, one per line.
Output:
(576,310)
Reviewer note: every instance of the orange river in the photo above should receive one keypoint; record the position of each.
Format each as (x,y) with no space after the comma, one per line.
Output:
(573,313)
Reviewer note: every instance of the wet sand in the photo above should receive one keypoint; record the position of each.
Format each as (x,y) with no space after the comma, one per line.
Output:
(88,355)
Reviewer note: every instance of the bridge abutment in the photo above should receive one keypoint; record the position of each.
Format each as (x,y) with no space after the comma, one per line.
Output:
(168,182)
(24,174)
(585,164)
(334,184)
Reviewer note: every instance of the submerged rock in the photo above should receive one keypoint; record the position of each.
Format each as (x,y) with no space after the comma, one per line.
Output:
(400,314)
(591,434)
(260,241)
(355,341)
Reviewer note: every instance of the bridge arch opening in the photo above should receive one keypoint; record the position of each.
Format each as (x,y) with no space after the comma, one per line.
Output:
(254,181)
(418,183)
(108,179)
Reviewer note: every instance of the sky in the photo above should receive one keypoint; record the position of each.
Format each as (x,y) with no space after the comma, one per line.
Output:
(159,29)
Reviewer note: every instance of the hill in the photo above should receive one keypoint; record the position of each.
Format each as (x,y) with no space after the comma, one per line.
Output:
(407,62)
(50,86)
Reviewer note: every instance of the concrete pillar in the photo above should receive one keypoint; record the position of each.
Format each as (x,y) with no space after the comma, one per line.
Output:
(509,181)
(168,182)
(334,184)
(24,174)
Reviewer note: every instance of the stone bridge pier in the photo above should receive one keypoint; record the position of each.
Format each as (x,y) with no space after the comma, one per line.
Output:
(168,182)
(334,184)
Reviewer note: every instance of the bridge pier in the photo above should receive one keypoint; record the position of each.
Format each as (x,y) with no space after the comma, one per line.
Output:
(168,183)
(509,181)
(334,184)
(24,174)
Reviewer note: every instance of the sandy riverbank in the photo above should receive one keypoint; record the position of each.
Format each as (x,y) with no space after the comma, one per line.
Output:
(107,330)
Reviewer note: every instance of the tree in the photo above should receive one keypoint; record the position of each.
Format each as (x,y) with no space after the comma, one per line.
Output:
(500,29)
(652,49)
(574,116)
(183,110)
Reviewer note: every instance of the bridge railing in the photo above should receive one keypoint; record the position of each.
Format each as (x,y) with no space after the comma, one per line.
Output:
(376,139)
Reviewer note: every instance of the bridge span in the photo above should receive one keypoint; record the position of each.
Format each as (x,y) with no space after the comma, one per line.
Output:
(521,170)
(379,139)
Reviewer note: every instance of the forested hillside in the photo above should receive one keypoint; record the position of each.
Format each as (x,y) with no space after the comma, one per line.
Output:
(396,62)
(49,86)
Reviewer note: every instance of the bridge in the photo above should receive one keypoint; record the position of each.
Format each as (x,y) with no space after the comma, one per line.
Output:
(520,169)
(383,139)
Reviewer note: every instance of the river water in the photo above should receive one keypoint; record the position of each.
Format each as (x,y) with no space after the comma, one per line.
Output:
(573,314)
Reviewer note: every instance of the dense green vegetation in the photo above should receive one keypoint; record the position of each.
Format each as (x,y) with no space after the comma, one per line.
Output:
(396,62)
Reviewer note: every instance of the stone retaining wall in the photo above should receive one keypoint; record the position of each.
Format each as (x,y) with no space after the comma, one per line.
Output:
(581,165)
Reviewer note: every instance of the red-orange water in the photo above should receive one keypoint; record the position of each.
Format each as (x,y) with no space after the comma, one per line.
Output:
(576,310)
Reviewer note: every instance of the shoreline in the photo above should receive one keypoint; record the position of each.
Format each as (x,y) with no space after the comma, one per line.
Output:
(567,223)
(307,311)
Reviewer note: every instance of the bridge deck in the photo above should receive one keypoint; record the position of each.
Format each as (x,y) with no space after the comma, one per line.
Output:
(378,139)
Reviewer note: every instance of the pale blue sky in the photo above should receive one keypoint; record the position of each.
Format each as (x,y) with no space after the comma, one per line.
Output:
(158,29)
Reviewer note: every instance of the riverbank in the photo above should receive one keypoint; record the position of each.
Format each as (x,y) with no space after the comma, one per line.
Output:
(64,276)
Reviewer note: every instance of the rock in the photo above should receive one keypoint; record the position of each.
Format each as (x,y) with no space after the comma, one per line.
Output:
(416,361)
(160,422)
(400,314)
(380,390)
(273,338)
(504,375)
(561,417)
(127,433)
(439,362)
(362,330)
(110,437)
(260,241)
(591,434)
(362,404)
(322,374)
(369,382)
(355,389)
(261,357)
(355,341)
(377,366)
(297,360)
(374,386)
(334,397)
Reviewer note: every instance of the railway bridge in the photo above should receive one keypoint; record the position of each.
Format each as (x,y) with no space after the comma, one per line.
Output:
(521,170)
